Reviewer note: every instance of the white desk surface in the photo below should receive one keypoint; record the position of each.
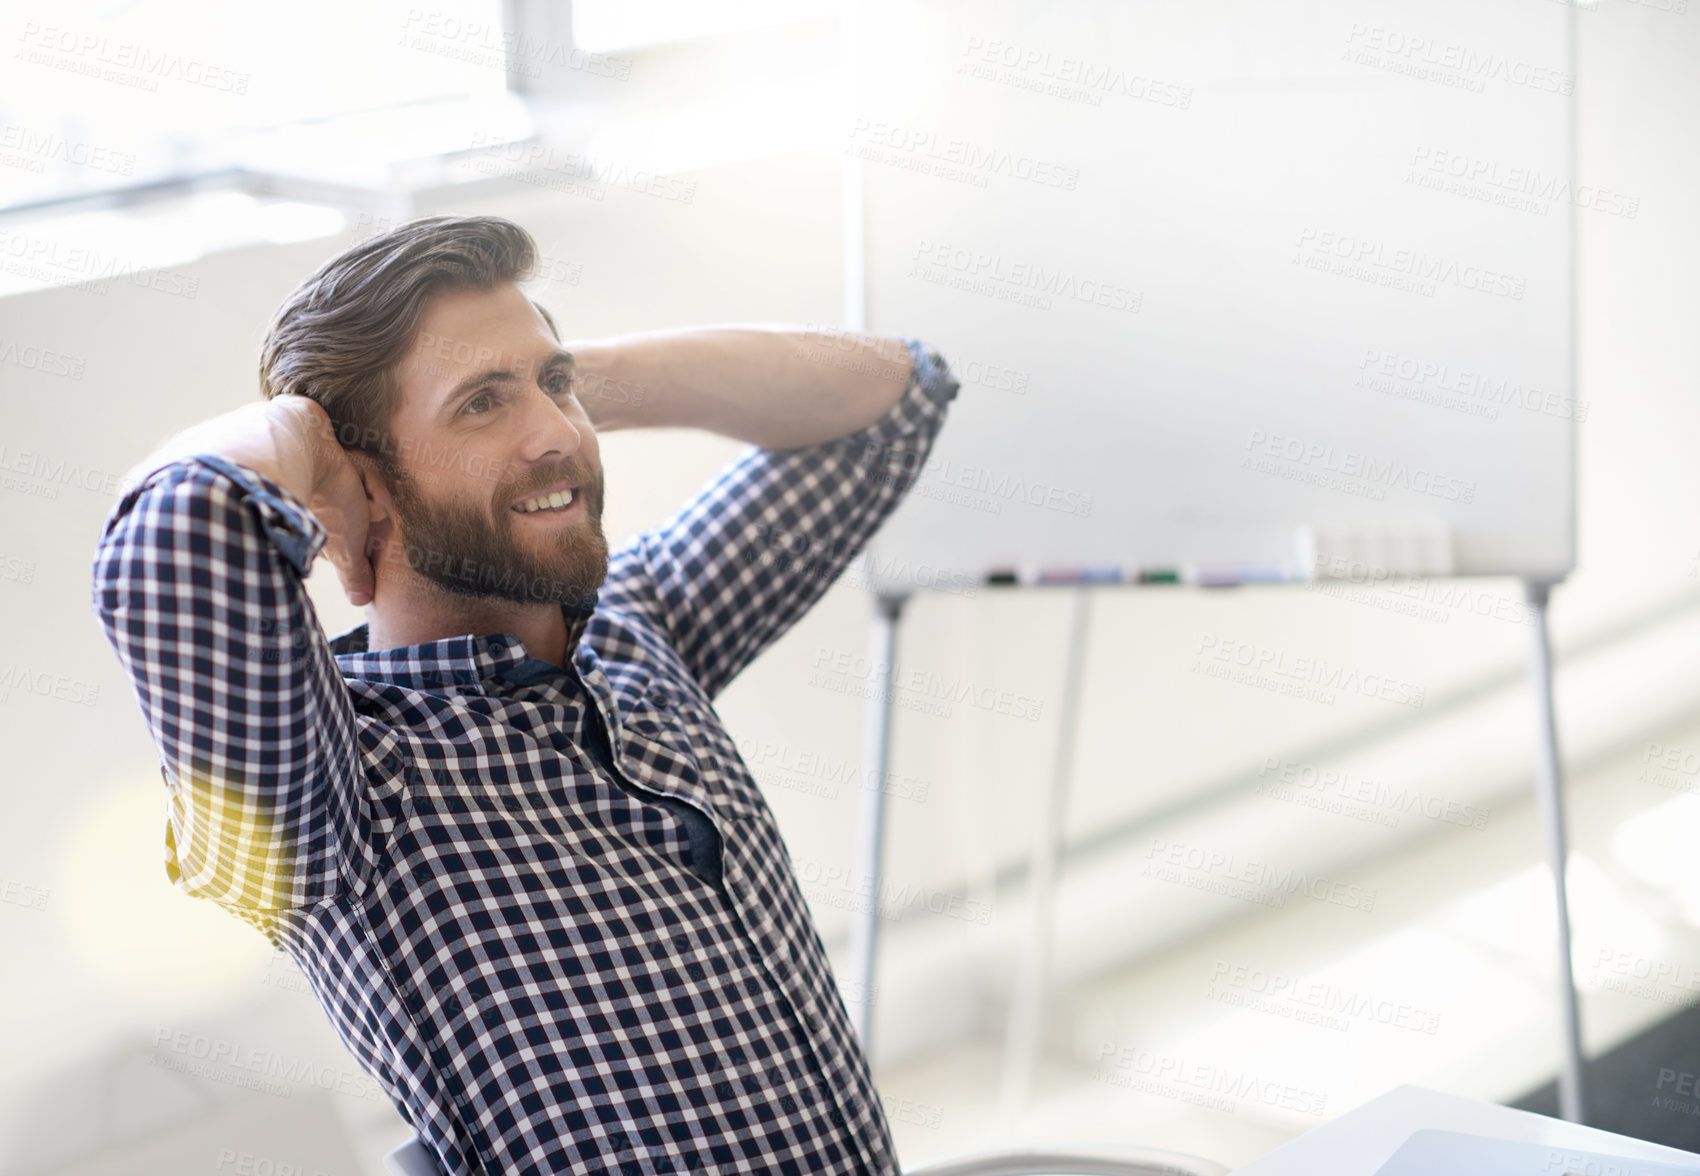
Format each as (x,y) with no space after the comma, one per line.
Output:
(1361,1140)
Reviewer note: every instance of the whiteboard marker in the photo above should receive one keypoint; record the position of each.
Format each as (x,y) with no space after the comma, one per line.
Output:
(1101,575)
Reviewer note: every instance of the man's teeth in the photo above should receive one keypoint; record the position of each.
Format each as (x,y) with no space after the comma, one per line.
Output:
(555,501)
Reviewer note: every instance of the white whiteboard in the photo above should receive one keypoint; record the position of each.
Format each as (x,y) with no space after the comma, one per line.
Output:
(1222,279)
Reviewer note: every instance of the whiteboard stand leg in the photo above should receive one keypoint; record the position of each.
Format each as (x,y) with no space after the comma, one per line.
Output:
(1549,798)
(870,846)
(1027,995)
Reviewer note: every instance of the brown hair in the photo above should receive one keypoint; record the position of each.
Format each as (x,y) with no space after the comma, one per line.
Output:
(339,334)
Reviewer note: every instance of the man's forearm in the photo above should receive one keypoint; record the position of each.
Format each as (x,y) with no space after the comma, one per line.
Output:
(277,438)
(291,440)
(778,387)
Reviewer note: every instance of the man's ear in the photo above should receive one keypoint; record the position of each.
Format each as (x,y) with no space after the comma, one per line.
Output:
(380,506)
(380,514)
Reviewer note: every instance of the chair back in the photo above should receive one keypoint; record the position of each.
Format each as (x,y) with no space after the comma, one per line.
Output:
(1100,1161)
(412,1158)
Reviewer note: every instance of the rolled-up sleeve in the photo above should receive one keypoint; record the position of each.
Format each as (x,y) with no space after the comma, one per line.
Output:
(198,580)
(748,555)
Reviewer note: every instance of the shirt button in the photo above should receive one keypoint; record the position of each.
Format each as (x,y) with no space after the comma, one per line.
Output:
(497,647)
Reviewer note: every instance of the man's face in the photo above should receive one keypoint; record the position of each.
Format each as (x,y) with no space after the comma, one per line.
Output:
(487,424)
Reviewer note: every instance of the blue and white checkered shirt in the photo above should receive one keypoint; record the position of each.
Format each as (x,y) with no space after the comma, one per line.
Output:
(483,863)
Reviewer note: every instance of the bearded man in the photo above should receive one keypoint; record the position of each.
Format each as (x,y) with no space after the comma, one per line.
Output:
(499,826)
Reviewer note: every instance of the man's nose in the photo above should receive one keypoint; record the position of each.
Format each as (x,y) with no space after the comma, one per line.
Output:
(545,430)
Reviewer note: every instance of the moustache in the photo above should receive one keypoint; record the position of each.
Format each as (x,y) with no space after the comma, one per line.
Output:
(574,471)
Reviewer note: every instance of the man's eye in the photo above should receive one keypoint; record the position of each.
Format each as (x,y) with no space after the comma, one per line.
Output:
(481,397)
(560,385)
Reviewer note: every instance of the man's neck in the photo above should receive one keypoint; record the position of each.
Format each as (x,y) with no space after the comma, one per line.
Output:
(414,614)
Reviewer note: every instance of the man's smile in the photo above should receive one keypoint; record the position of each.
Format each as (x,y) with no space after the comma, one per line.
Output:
(557,499)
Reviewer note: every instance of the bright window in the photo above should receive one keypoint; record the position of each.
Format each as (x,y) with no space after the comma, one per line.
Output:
(101,94)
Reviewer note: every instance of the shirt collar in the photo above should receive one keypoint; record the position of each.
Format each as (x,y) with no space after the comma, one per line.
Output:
(467,662)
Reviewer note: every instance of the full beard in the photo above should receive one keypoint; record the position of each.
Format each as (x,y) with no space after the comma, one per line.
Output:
(454,547)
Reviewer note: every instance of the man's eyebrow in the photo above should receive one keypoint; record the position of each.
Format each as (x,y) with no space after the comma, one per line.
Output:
(557,358)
